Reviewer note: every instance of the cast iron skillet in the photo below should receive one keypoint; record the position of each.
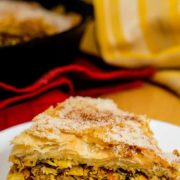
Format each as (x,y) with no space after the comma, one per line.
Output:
(22,63)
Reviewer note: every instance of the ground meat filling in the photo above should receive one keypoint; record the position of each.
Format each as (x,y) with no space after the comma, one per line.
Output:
(50,170)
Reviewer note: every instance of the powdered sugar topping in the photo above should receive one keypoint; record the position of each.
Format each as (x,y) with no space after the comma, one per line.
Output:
(98,118)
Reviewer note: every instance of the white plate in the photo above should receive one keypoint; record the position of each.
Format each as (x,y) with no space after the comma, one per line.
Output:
(167,135)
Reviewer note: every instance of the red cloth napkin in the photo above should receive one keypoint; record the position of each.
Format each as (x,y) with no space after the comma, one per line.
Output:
(79,78)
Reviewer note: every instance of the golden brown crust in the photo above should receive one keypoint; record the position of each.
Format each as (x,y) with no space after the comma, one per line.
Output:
(94,132)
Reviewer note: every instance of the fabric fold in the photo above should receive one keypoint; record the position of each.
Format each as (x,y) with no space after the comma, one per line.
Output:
(79,78)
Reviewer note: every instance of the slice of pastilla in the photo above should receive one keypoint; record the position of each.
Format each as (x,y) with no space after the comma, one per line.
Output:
(86,138)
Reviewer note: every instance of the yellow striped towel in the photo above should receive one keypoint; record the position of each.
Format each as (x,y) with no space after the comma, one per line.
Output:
(134,33)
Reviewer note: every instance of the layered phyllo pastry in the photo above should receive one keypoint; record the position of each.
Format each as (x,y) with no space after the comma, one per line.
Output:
(22,21)
(89,139)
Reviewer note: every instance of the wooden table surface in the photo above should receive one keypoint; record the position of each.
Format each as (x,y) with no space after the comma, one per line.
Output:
(151,100)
